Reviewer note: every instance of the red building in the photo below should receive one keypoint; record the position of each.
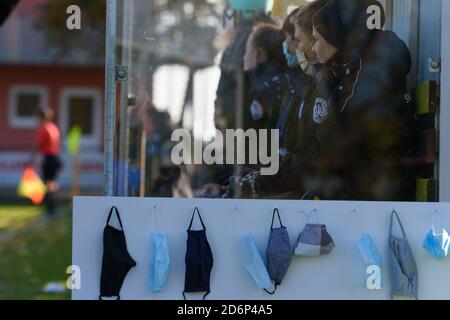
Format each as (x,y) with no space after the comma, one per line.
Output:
(31,77)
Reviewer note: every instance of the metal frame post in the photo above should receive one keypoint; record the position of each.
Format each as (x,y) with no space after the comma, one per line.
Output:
(110,96)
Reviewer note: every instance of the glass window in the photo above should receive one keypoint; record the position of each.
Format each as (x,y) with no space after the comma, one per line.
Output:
(268,100)
(24,104)
(81,112)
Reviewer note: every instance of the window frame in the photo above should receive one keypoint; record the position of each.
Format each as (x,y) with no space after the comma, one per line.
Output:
(19,122)
(79,92)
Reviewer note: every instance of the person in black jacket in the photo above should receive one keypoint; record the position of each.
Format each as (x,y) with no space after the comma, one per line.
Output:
(263,62)
(359,135)
(294,85)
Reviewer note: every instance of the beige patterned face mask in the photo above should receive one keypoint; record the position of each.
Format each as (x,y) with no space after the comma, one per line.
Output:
(307,67)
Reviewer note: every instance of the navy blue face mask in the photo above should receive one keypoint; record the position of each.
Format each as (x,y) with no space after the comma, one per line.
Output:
(199,260)
(116,262)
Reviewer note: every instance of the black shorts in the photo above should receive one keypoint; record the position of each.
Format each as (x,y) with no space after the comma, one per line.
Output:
(51,167)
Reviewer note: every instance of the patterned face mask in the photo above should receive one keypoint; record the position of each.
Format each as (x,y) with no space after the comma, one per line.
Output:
(314,241)
(279,252)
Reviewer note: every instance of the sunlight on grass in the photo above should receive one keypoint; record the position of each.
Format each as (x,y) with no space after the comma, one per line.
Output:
(16,217)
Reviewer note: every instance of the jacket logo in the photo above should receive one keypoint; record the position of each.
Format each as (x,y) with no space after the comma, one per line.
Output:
(256,110)
(320,110)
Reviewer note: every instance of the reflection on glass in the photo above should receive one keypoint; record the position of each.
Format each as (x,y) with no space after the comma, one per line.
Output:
(316,100)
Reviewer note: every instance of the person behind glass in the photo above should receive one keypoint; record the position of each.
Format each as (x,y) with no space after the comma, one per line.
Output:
(299,38)
(263,61)
(359,135)
(48,145)
(298,48)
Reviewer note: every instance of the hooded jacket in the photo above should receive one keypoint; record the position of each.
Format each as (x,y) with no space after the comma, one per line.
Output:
(357,135)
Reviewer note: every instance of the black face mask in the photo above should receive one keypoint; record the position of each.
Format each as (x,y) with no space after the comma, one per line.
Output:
(116,262)
(199,260)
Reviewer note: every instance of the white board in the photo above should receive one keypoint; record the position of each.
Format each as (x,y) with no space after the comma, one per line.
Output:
(340,275)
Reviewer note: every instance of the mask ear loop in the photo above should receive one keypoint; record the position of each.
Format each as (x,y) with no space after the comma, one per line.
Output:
(358,222)
(241,220)
(310,214)
(437,218)
(443,232)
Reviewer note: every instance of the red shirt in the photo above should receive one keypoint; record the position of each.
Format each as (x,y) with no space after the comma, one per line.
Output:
(48,139)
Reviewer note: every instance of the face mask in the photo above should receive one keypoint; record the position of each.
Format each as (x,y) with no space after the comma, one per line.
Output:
(159,262)
(368,251)
(291,59)
(199,260)
(279,252)
(254,263)
(314,241)
(437,241)
(116,262)
(404,277)
(306,65)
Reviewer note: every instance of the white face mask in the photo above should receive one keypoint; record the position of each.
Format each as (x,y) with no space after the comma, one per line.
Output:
(305,64)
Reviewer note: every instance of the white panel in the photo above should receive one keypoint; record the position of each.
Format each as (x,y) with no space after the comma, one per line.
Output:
(340,275)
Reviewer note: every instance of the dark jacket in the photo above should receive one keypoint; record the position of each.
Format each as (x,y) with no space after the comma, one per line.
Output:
(263,96)
(298,86)
(358,132)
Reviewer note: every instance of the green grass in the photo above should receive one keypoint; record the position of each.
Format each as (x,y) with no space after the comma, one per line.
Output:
(16,217)
(34,256)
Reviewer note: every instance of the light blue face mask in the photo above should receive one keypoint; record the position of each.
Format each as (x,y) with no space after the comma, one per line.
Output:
(254,263)
(291,59)
(159,262)
(437,241)
(368,251)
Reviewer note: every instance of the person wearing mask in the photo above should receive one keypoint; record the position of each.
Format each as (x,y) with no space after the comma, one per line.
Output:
(48,145)
(234,42)
(359,135)
(300,40)
(291,118)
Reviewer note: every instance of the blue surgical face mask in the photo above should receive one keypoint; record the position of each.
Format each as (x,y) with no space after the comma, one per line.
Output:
(368,251)
(159,262)
(254,263)
(437,243)
(291,59)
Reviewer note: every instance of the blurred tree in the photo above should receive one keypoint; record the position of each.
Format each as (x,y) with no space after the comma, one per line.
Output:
(90,39)
(170,30)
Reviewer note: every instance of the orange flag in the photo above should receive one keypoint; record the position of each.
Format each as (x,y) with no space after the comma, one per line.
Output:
(31,186)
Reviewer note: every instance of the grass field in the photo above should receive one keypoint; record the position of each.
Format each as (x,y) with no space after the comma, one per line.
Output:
(36,253)
(18,216)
